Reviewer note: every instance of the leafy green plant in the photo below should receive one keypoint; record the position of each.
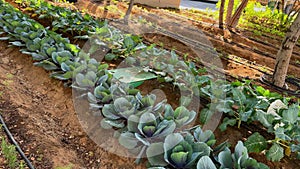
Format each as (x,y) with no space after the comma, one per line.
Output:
(181,115)
(144,130)
(49,50)
(246,103)
(283,121)
(177,151)
(121,45)
(241,102)
(10,153)
(150,126)
(238,159)
(117,113)
(86,26)
(193,149)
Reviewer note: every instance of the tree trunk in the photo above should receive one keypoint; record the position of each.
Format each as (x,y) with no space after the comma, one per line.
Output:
(229,11)
(126,17)
(236,16)
(285,53)
(221,13)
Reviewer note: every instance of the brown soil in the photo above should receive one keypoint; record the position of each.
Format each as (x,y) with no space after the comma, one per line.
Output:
(40,113)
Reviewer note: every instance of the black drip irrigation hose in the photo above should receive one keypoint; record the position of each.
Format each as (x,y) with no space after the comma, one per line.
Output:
(10,136)
(293,81)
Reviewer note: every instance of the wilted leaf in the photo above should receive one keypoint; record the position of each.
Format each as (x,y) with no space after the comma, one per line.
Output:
(274,106)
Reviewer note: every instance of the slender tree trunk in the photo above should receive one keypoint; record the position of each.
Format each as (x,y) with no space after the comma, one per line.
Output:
(229,11)
(236,16)
(126,17)
(221,13)
(285,53)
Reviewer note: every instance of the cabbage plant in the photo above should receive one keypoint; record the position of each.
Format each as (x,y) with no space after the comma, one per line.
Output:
(117,113)
(181,115)
(144,130)
(177,151)
(180,153)
(238,159)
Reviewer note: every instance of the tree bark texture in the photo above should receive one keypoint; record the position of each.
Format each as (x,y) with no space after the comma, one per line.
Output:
(285,53)
(237,14)
(126,17)
(229,11)
(221,14)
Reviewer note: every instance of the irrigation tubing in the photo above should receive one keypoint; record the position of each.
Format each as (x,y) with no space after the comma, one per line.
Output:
(293,81)
(238,29)
(10,136)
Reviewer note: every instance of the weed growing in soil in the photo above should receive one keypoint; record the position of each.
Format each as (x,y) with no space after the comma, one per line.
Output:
(9,152)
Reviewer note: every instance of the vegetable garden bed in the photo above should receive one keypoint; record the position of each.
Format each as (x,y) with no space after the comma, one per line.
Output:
(71,137)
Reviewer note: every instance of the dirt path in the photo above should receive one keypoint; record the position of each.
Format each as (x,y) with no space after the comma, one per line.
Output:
(40,114)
